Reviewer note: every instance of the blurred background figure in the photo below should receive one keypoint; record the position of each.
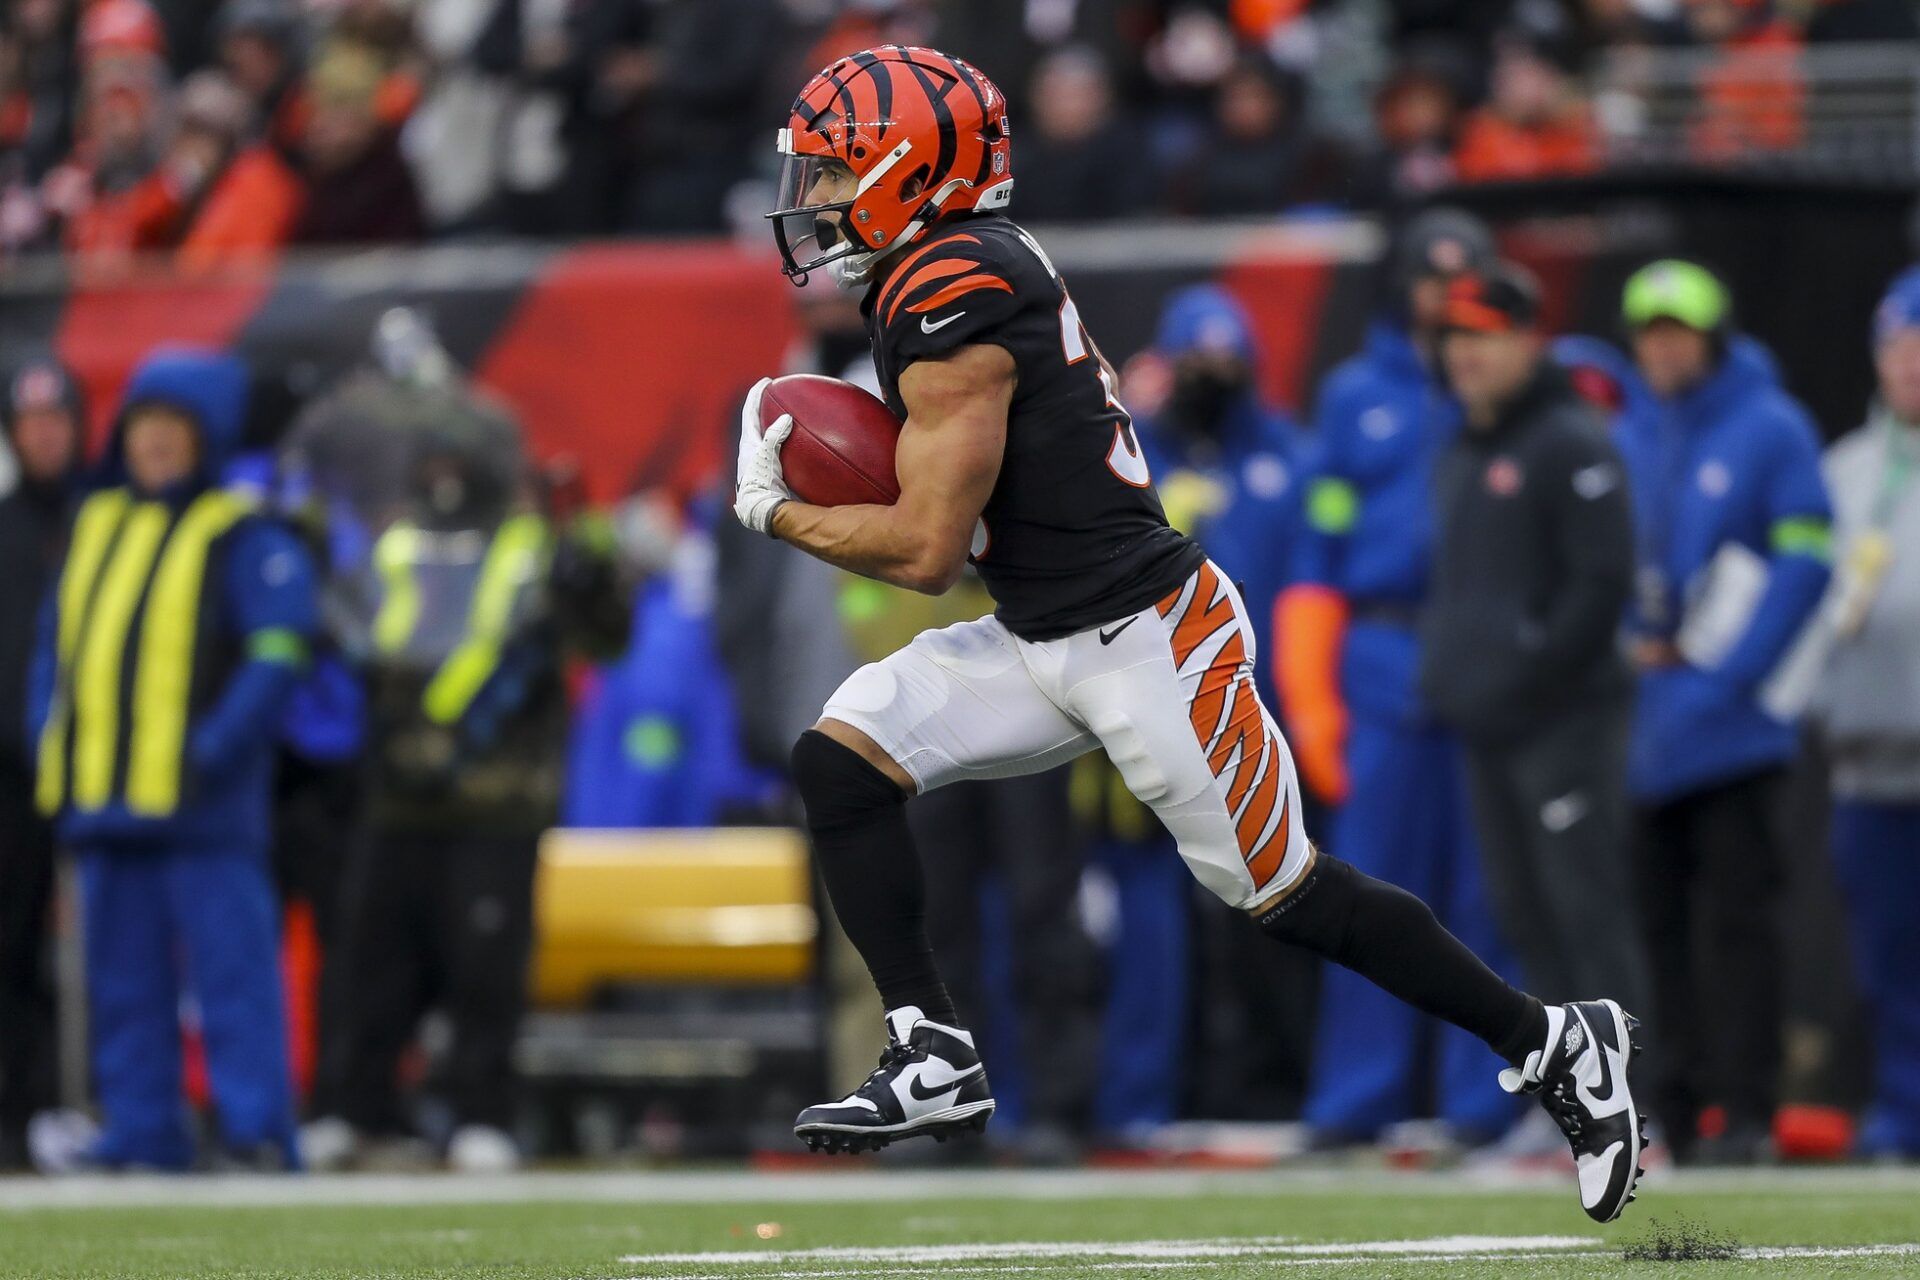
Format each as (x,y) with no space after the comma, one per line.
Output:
(1533,567)
(44,423)
(1226,466)
(155,742)
(1349,652)
(1870,713)
(1733,549)
(1258,154)
(359,188)
(1416,115)
(1537,123)
(475,594)
(1080,160)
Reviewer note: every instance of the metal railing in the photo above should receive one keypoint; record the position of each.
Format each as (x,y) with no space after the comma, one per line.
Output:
(1829,113)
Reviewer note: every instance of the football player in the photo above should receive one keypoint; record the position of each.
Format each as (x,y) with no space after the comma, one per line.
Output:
(1111,630)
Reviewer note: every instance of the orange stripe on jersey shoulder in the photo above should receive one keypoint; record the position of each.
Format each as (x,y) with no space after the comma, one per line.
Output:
(892,291)
(925,275)
(964,285)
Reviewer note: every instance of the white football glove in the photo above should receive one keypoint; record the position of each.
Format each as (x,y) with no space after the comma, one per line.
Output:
(758,485)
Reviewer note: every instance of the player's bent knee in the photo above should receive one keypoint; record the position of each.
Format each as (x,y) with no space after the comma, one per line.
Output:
(838,785)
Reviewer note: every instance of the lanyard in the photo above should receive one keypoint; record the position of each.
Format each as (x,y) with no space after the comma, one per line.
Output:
(1902,444)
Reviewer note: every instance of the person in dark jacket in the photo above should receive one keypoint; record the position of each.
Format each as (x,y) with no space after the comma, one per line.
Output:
(165,658)
(1533,566)
(42,419)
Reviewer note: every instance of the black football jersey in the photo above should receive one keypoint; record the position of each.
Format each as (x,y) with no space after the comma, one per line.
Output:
(1073,535)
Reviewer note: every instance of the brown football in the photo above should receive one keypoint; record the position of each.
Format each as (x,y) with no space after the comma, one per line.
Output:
(841,450)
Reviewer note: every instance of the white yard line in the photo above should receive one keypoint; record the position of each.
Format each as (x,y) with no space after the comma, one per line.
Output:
(868,1186)
(1358,1253)
(1214,1247)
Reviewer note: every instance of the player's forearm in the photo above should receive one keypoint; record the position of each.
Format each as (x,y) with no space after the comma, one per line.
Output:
(874,541)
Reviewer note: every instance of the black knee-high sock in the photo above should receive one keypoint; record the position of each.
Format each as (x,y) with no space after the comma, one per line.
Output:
(1385,934)
(865,853)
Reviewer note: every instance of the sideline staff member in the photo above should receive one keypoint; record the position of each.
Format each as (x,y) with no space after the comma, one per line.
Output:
(1531,577)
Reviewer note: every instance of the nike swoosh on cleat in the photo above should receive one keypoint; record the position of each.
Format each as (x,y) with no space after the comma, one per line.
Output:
(941,1086)
(1606,1100)
(928,326)
(1108,637)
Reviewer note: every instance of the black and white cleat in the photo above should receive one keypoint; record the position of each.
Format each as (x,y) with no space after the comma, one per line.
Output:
(930,1083)
(1583,1077)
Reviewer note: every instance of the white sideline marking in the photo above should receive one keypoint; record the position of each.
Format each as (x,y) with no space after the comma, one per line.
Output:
(1337,1254)
(1188,1250)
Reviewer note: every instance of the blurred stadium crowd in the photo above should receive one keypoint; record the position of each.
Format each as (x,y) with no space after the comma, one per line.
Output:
(224,129)
(400,648)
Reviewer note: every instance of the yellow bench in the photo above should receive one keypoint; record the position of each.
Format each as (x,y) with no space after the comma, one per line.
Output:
(727,907)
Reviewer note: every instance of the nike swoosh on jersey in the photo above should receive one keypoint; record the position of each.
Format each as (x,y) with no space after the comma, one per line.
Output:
(1108,637)
(927,325)
(939,1087)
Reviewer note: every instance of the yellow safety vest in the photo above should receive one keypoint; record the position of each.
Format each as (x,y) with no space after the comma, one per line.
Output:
(517,555)
(129,600)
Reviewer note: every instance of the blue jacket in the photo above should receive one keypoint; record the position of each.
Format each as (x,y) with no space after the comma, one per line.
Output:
(265,582)
(1251,468)
(1383,420)
(655,744)
(1734,460)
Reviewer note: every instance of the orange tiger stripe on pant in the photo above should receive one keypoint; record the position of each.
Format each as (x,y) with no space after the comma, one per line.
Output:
(1242,749)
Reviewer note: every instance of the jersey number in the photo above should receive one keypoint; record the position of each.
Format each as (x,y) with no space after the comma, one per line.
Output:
(1125,458)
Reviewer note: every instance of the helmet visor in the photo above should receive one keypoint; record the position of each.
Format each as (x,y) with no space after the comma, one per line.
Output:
(812,203)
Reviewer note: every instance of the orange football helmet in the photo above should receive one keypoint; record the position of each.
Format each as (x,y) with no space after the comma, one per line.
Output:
(889,140)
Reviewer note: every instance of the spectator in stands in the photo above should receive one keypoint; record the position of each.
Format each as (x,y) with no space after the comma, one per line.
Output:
(1258,157)
(44,424)
(41,79)
(1723,464)
(1085,162)
(260,51)
(1533,562)
(1751,93)
(679,89)
(239,200)
(155,742)
(1871,714)
(1537,124)
(119,135)
(1348,648)
(1416,116)
(219,201)
(359,188)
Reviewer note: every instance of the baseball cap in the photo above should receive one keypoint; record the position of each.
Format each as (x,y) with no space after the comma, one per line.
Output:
(1503,299)
(1674,289)
(1899,310)
(1442,242)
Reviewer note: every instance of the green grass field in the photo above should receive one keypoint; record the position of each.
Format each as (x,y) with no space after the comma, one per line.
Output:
(983,1224)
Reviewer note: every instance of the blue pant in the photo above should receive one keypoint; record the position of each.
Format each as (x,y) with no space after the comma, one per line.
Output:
(1876,851)
(162,922)
(1407,823)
